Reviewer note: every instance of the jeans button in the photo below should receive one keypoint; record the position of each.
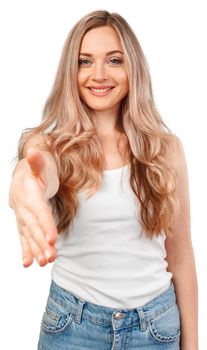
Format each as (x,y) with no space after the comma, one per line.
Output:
(118,315)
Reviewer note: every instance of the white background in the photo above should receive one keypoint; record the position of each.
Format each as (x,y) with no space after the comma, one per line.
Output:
(173,37)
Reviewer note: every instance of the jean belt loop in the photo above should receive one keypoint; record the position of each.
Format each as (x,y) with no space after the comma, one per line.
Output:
(79,311)
(143,325)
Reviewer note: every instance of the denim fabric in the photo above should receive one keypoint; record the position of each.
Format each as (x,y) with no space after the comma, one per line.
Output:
(70,323)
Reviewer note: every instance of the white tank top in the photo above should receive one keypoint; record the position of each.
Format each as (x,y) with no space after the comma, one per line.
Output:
(102,258)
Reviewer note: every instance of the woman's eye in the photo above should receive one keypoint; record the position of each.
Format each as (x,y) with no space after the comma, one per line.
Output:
(115,60)
(83,61)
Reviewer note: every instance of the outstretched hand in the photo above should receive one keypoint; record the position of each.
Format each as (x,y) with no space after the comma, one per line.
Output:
(35,222)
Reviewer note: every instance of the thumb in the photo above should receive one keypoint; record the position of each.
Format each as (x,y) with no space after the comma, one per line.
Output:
(36,161)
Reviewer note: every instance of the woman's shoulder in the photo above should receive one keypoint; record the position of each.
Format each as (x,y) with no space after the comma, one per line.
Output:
(177,159)
(175,150)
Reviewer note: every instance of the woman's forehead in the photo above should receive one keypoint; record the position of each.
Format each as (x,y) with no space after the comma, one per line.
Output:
(102,39)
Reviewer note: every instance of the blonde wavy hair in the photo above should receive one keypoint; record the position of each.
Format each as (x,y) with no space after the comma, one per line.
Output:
(71,136)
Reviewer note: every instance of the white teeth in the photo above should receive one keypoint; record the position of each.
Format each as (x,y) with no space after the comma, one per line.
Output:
(100,90)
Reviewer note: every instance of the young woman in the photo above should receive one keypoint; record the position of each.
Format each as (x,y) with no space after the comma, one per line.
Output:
(101,189)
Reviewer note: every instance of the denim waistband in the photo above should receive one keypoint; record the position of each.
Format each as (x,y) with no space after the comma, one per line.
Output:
(103,315)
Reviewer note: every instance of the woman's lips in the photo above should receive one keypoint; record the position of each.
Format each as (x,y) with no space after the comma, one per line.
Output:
(101,91)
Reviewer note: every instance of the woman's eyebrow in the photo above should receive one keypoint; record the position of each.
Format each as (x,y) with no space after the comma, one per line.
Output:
(107,54)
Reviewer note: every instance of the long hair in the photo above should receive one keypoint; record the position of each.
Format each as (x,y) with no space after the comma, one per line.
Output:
(75,145)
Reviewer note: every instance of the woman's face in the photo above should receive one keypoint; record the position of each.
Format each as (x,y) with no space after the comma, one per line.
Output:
(102,77)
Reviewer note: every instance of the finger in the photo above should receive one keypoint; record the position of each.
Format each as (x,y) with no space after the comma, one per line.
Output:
(39,238)
(27,256)
(35,250)
(45,220)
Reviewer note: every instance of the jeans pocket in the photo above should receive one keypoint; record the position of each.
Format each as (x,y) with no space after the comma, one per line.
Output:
(165,327)
(55,318)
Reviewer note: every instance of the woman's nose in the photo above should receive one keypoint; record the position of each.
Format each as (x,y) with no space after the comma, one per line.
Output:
(100,72)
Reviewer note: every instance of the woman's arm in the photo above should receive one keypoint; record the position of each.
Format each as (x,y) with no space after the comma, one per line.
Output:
(180,258)
(34,181)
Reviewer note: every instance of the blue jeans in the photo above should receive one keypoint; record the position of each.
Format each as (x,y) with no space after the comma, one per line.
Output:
(70,323)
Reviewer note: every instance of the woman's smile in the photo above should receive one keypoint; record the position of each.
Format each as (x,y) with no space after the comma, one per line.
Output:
(100,91)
